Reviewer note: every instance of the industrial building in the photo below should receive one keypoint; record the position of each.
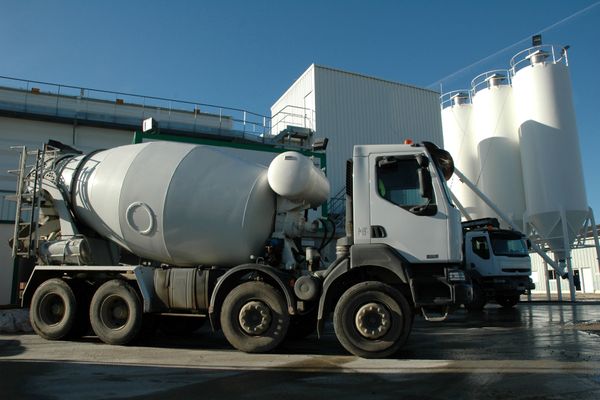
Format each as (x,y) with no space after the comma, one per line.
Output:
(350,109)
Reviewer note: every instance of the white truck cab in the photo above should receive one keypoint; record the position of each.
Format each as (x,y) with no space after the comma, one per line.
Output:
(498,263)
(422,225)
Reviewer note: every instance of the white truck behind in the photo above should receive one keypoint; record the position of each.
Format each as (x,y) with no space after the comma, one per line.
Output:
(497,262)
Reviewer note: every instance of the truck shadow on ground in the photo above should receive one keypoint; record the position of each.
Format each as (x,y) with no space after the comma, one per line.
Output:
(493,334)
(10,347)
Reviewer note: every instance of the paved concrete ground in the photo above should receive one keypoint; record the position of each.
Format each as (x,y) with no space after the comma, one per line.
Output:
(537,351)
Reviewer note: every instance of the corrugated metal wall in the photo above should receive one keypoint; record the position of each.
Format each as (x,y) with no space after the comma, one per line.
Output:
(355,109)
(300,94)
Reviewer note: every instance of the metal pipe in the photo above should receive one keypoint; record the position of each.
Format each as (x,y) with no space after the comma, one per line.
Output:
(505,218)
(558,284)
(547,277)
(460,207)
(595,234)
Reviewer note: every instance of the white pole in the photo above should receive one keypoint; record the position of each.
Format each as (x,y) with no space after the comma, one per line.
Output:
(547,277)
(558,284)
(567,249)
(461,208)
(596,241)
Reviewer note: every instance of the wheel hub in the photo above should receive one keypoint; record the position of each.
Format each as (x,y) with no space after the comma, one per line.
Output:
(52,309)
(373,321)
(255,317)
(114,312)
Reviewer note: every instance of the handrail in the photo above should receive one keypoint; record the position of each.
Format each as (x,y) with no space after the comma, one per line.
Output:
(249,122)
(518,61)
(446,99)
(482,81)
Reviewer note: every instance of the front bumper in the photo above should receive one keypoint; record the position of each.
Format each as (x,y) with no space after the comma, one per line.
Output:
(509,284)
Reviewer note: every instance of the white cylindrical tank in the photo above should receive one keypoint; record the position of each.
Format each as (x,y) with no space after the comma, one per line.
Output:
(497,145)
(458,141)
(176,203)
(296,178)
(550,155)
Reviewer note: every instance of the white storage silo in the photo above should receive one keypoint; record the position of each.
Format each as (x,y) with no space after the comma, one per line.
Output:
(552,171)
(496,142)
(457,115)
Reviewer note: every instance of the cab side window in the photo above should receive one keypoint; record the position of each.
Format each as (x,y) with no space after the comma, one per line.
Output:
(480,247)
(398,182)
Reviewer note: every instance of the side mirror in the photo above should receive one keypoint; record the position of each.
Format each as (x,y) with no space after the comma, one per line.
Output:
(528,244)
(425,185)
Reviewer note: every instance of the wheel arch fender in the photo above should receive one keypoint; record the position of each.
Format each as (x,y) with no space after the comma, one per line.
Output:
(347,273)
(235,276)
(35,280)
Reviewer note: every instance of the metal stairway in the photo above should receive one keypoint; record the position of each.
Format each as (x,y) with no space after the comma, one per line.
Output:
(30,174)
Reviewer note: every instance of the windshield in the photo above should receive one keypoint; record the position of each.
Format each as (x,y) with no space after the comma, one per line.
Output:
(509,246)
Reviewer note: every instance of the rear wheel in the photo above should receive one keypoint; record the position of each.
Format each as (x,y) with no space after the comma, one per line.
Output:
(372,320)
(254,317)
(508,301)
(116,312)
(53,309)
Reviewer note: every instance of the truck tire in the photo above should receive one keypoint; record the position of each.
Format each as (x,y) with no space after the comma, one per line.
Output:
(53,309)
(479,300)
(116,312)
(508,300)
(254,317)
(372,320)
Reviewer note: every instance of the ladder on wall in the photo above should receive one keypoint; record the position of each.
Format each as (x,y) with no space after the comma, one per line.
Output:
(30,175)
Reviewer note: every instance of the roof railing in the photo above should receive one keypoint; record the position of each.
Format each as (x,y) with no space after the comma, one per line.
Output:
(455,97)
(538,54)
(74,101)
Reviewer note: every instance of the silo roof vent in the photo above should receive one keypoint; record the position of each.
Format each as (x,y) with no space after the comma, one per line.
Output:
(460,98)
(496,80)
(537,57)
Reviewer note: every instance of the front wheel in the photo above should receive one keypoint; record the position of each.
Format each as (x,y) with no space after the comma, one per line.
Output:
(372,320)
(254,317)
(479,300)
(116,312)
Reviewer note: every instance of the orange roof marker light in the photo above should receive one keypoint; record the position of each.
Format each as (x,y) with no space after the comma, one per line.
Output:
(408,141)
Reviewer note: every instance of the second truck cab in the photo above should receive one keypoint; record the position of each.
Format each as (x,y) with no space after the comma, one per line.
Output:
(497,261)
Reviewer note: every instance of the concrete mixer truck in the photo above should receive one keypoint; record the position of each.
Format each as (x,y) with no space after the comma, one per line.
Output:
(161,229)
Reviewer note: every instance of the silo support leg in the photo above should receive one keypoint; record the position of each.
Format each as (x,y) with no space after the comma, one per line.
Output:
(595,235)
(567,247)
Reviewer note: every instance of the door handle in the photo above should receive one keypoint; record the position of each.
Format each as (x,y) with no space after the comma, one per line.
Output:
(378,232)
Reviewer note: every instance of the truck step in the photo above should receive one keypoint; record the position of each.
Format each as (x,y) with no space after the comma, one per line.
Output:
(435,315)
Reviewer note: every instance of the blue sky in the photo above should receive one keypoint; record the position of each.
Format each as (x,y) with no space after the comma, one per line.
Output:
(244,54)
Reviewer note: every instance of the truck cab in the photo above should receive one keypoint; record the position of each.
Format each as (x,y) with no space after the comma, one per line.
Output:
(498,263)
(402,252)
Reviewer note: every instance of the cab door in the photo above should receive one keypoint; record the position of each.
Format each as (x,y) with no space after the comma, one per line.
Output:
(400,215)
